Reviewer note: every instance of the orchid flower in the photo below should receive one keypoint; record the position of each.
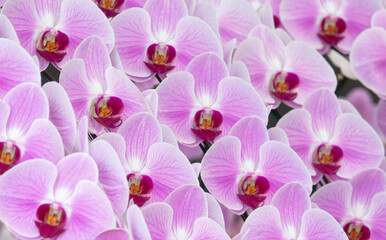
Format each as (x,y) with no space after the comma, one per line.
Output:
(245,169)
(283,72)
(329,141)
(98,90)
(111,8)
(204,102)
(367,60)
(51,30)
(183,215)
(359,204)
(25,131)
(291,216)
(324,24)
(152,167)
(160,38)
(42,200)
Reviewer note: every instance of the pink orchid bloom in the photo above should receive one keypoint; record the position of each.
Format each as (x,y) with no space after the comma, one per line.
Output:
(283,72)
(136,230)
(329,140)
(41,200)
(51,30)
(204,102)
(323,24)
(367,58)
(228,18)
(183,215)
(98,90)
(359,204)
(291,216)
(74,134)
(152,167)
(25,131)
(160,38)
(244,169)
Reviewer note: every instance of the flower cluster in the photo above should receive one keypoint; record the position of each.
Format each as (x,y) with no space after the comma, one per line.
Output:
(192,119)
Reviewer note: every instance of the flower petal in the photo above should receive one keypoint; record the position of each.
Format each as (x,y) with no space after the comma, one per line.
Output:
(159,217)
(113,234)
(278,134)
(137,224)
(214,210)
(7,30)
(206,228)
(5,111)
(376,216)
(119,145)
(239,69)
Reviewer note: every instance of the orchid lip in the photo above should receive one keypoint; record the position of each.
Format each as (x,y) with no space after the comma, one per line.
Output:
(160,57)
(140,187)
(356,230)
(50,219)
(284,85)
(110,8)
(206,124)
(107,110)
(52,45)
(9,156)
(253,190)
(327,158)
(332,30)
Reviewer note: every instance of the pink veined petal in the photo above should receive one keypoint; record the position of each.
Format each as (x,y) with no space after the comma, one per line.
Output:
(5,110)
(137,224)
(297,124)
(119,85)
(274,48)
(367,61)
(159,217)
(357,15)
(96,57)
(168,135)
(208,70)
(379,19)
(111,176)
(189,204)
(362,147)
(27,102)
(292,201)
(119,145)
(71,170)
(78,25)
(324,108)
(193,37)
(165,16)
(239,69)
(25,187)
(361,99)
(278,134)
(116,59)
(169,169)
(236,18)
(300,19)
(238,99)
(113,234)
(252,134)
(365,185)
(214,210)
(347,107)
(376,216)
(312,69)
(206,228)
(7,30)
(207,12)
(220,170)
(151,97)
(81,144)
(263,223)
(266,15)
(283,35)
(16,66)
(42,141)
(61,114)
(74,80)
(140,132)
(335,198)
(91,212)
(319,225)
(177,105)
(134,3)
(228,50)
(133,35)
(252,52)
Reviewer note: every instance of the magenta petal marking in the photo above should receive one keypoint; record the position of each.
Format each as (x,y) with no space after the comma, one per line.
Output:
(284,85)
(9,155)
(160,57)
(327,158)
(50,219)
(356,230)
(140,187)
(110,8)
(332,29)
(107,111)
(253,189)
(52,45)
(206,124)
